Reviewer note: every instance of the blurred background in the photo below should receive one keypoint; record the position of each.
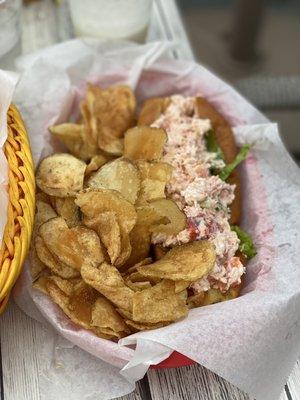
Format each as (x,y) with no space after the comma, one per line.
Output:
(253,44)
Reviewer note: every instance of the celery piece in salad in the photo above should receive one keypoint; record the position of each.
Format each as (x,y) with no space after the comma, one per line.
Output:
(246,245)
(212,145)
(228,169)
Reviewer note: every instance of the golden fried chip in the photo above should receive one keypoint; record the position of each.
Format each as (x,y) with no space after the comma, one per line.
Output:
(124,313)
(68,210)
(60,175)
(93,202)
(120,175)
(160,303)
(144,143)
(82,300)
(125,250)
(137,286)
(145,261)
(40,284)
(187,262)
(154,177)
(180,286)
(152,110)
(168,208)
(114,107)
(107,227)
(159,251)
(109,282)
(140,236)
(96,162)
(104,315)
(138,326)
(52,262)
(44,212)
(74,247)
(110,144)
(212,296)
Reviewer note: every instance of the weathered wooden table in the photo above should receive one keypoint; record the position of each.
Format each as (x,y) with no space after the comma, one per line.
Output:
(44,24)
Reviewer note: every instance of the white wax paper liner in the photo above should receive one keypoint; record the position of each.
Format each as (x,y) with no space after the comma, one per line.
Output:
(252,341)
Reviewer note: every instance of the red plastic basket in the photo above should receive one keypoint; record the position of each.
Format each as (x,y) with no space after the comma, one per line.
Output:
(175,360)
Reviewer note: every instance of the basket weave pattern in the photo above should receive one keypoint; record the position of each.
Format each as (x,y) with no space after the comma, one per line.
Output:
(21,206)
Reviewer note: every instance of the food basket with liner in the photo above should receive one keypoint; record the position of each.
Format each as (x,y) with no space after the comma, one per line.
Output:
(21,204)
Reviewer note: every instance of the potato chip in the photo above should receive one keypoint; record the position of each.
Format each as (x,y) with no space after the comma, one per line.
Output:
(74,137)
(44,212)
(159,251)
(145,261)
(120,175)
(36,265)
(125,250)
(138,326)
(96,162)
(60,175)
(168,208)
(107,227)
(212,296)
(74,247)
(160,303)
(180,286)
(93,202)
(144,143)
(109,282)
(40,284)
(104,315)
(111,145)
(51,261)
(140,236)
(82,300)
(114,107)
(137,286)
(124,313)
(187,262)
(68,210)
(154,177)
(152,110)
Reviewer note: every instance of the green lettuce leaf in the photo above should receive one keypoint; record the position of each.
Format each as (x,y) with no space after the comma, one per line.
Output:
(228,169)
(212,145)
(246,245)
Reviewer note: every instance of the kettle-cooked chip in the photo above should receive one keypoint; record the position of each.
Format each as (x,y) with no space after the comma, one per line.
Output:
(52,262)
(169,209)
(187,262)
(212,296)
(154,177)
(67,209)
(104,315)
(152,110)
(159,251)
(107,227)
(96,162)
(109,282)
(60,175)
(138,326)
(72,136)
(75,247)
(137,286)
(93,202)
(143,142)
(159,303)
(121,175)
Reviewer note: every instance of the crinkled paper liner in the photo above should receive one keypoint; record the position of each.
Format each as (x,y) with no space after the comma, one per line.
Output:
(252,341)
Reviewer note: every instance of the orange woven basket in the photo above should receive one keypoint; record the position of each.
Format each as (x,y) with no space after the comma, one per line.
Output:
(21,206)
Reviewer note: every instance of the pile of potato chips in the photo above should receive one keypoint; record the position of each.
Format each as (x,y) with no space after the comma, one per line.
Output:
(96,209)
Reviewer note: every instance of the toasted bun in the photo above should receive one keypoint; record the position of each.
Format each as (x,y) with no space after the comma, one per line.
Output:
(225,139)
